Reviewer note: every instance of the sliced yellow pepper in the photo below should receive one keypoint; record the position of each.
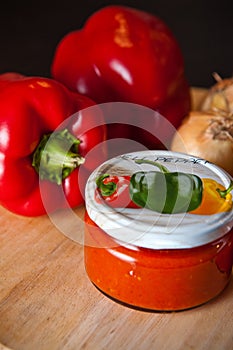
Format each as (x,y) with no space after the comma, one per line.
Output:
(215,198)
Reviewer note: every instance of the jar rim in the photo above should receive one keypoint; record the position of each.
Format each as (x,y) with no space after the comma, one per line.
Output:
(149,229)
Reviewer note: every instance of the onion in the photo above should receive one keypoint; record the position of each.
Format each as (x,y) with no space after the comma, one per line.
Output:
(208,135)
(220,96)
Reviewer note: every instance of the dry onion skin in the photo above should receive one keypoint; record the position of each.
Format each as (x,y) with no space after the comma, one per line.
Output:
(208,135)
(220,96)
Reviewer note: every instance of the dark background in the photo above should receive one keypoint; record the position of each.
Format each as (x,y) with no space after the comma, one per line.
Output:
(29,33)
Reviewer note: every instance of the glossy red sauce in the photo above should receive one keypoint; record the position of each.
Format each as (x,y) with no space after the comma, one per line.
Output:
(162,280)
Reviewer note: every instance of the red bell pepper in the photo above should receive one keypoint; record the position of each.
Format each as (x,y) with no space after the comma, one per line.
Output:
(127,55)
(45,146)
(114,190)
(8,77)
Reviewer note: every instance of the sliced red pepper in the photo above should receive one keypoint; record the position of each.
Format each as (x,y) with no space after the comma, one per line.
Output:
(33,109)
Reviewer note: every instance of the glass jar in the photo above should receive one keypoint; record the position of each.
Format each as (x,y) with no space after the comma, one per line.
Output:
(155,259)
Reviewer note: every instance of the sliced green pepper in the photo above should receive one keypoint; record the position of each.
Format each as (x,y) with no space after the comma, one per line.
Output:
(165,192)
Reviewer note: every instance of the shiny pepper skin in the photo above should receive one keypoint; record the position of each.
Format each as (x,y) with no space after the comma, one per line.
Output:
(212,202)
(30,109)
(114,190)
(123,54)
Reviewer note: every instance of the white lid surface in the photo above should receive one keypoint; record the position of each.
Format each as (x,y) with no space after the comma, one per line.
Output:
(150,229)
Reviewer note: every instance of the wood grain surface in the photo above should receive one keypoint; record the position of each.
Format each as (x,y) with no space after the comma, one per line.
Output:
(48,303)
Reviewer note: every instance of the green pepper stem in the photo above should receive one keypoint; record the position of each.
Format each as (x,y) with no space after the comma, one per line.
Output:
(147,161)
(105,189)
(57,156)
(223,193)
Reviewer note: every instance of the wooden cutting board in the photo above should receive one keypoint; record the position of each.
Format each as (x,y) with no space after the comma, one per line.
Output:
(48,303)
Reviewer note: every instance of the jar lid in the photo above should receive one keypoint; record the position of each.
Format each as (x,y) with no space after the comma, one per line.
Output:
(148,226)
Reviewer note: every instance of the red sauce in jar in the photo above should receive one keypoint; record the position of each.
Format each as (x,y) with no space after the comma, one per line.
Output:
(165,280)
(155,261)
